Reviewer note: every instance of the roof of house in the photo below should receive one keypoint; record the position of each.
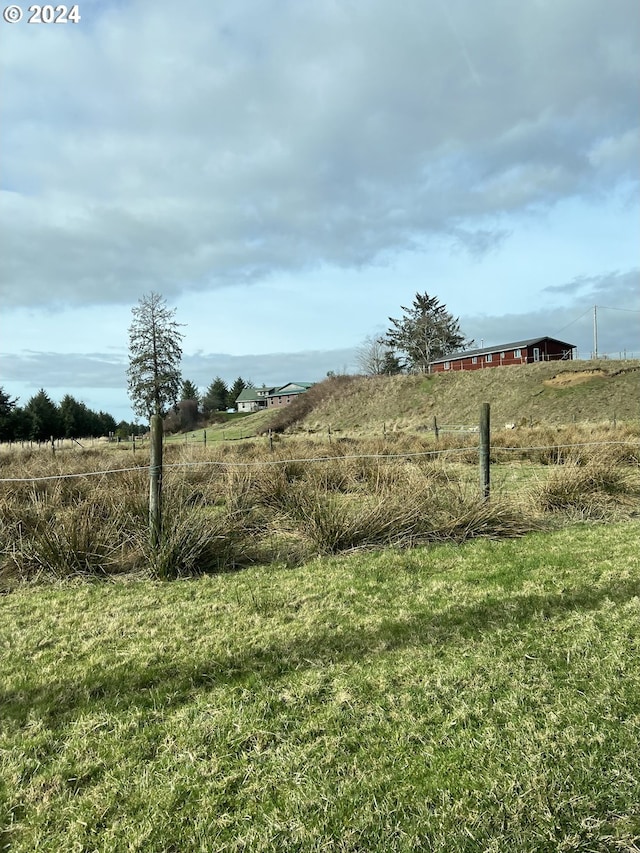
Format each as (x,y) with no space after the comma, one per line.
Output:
(292,388)
(248,395)
(500,348)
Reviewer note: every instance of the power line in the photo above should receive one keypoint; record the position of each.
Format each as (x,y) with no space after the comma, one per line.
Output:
(609,308)
(588,311)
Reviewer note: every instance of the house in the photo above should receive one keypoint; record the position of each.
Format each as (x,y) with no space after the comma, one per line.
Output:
(256,399)
(516,352)
(287,393)
(253,399)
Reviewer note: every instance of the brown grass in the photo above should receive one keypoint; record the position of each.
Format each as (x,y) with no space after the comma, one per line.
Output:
(230,505)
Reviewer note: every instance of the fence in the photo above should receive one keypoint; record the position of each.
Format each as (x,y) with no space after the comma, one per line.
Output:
(156,466)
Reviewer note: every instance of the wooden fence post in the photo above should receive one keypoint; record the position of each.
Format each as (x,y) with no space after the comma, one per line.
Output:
(485,451)
(204,437)
(436,429)
(155,482)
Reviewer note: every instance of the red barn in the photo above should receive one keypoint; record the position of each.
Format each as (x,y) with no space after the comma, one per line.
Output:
(517,352)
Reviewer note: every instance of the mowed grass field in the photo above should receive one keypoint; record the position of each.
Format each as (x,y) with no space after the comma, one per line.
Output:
(482,696)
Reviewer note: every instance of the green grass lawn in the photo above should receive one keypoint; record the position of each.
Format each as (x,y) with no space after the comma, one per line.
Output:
(483,697)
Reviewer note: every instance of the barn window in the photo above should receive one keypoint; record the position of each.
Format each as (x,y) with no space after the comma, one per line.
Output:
(447,365)
(517,353)
(502,355)
(474,359)
(488,356)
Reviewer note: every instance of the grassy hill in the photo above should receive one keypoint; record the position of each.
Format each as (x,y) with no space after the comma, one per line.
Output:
(551,392)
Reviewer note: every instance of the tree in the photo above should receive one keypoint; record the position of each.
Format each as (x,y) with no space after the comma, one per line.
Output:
(75,418)
(374,358)
(215,399)
(234,392)
(391,365)
(44,417)
(189,391)
(426,331)
(155,352)
(7,407)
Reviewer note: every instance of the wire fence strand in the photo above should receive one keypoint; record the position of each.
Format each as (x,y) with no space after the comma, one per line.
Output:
(311,459)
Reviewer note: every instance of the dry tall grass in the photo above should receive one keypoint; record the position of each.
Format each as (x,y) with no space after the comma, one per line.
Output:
(229,505)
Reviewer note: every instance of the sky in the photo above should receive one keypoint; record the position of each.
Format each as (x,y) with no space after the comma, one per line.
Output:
(289,173)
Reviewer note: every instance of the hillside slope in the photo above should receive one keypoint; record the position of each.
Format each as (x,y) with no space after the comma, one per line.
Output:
(550,392)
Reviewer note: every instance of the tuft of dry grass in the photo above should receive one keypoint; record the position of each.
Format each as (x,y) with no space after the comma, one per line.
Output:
(593,488)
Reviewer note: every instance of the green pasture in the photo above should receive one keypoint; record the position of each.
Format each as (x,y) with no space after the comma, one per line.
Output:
(474,697)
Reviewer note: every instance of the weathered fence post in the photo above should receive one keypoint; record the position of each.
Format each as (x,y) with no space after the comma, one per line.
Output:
(204,437)
(329,433)
(53,446)
(485,451)
(436,429)
(155,482)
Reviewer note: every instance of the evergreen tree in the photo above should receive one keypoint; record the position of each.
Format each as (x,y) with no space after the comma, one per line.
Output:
(215,399)
(105,423)
(44,417)
(234,392)
(19,424)
(75,418)
(7,408)
(391,364)
(154,357)
(189,391)
(426,331)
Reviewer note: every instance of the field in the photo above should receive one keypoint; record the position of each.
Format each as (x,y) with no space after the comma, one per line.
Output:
(357,653)
(451,698)
(228,505)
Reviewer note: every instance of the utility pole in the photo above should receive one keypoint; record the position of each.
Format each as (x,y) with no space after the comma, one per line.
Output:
(595,331)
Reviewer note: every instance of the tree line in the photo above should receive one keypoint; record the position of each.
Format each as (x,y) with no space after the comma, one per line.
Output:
(41,419)
(193,407)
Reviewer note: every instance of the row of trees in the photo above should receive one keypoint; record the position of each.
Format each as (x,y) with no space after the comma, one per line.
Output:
(426,331)
(193,407)
(41,418)
(217,398)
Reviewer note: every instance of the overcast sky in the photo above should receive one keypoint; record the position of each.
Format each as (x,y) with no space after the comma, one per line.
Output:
(288,173)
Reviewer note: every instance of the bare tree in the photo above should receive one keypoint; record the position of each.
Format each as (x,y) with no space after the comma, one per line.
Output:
(155,351)
(370,356)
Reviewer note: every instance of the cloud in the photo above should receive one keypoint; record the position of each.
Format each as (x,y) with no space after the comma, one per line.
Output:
(622,290)
(617,296)
(108,371)
(147,149)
